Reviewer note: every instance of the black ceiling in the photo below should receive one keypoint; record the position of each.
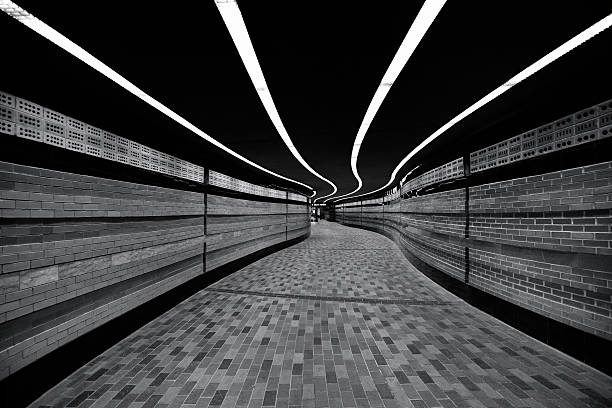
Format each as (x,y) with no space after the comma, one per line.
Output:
(323,63)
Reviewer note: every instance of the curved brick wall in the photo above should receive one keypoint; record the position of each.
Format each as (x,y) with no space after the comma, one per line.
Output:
(542,242)
(77,251)
(237,227)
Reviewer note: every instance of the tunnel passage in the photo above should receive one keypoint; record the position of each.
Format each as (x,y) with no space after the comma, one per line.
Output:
(341,319)
(139,165)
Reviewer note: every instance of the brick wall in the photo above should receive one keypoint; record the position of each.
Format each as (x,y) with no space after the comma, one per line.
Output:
(551,251)
(238,227)
(542,242)
(371,216)
(432,226)
(352,215)
(69,241)
(392,214)
(298,220)
(77,251)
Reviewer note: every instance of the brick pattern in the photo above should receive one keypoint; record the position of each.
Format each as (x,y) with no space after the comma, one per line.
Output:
(352,215)
(371,208)
(228,223)
(543,242)
(336,261)
(238,227)
(65,237)
(452,201)
(563,211)
(229,253)
(59,244)
(393,221)
(567,212)
(440,253)
(300,232)
(221,205)
(369,220)
(284,344)
(394,206)
(440,212)
(451,224)
(426,226)
(295,209)
(570,295)
(31,349)
(298,220)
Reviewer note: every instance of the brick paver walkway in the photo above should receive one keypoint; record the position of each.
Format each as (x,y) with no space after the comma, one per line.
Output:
(339,320)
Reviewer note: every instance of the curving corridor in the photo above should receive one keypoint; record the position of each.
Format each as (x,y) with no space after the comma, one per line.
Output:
(341,319)
(278,204)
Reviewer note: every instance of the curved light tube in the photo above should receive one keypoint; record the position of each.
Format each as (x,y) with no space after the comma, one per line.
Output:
(426,16)
(521,76)
(409,173)
(63,42)
(232,17)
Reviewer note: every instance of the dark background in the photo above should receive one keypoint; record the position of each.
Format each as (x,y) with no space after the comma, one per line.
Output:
(323,62)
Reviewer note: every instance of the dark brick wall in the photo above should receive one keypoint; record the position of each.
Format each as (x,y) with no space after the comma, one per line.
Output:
(542,242)
(77,251)
(298,220)
(65,238)
(238,227)
(432,227)
(551,250)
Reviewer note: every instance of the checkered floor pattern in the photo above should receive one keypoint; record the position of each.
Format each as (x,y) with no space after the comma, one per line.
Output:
(339,320)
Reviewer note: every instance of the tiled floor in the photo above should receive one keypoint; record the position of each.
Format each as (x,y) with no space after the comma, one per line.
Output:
(339,320)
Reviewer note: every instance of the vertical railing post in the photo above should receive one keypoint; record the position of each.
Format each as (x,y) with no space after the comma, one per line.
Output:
(466,173)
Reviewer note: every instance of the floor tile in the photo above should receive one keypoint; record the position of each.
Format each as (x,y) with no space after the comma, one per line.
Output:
(341,319)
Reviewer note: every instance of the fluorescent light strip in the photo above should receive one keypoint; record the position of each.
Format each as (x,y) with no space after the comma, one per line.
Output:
(426,16)
(232,17)
(409,173)
(521,76)
(61,41)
